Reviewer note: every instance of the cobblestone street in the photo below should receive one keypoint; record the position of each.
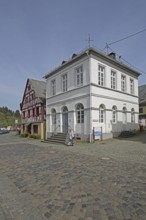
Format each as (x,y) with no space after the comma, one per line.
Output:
(101,181)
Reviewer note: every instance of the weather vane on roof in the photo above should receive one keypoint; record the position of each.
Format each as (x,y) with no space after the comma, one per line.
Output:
(89,40)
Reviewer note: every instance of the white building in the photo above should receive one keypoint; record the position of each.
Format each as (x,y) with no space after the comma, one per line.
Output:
(92,90)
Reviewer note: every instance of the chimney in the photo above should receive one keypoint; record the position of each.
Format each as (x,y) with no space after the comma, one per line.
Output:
(74,55)
(63,61)
(112,55)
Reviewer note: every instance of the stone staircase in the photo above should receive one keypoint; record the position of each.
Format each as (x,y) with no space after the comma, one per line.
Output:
(57,138)
(127,134)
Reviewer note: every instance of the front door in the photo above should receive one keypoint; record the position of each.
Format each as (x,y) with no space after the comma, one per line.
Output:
(65,119)
(65,122)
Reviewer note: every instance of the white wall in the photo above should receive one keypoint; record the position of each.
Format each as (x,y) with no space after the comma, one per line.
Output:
(70,75)
(92,96)
(108,67)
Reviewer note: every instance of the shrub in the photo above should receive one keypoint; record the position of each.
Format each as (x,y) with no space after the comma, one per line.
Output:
(24,135)
(35,136)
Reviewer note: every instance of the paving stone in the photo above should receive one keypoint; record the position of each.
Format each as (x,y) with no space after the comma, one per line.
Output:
(42,181)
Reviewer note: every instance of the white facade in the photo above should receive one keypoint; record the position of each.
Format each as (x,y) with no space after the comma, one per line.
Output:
(92,90)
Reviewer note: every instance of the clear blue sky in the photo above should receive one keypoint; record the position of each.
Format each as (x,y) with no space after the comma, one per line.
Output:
(36,35)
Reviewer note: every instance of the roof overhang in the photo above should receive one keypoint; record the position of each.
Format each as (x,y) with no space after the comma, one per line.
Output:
(87,53)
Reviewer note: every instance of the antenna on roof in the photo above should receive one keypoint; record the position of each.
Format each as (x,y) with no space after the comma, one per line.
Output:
(131,35)
(117,41)
(107,48)
(89,40)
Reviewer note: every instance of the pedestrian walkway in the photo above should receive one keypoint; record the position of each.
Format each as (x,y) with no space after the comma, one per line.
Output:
(14,204)
(100,181)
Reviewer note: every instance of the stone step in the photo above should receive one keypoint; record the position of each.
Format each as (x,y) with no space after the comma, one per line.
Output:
(50,140)
(126,134)
(57,138)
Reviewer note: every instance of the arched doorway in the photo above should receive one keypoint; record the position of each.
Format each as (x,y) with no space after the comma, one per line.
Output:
(53,113)
(124,118)
(64,119)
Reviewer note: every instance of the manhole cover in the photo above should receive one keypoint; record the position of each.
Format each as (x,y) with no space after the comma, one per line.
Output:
(105,158)
(52,152)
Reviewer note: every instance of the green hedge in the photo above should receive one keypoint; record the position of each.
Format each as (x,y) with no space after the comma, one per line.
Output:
(24,135)
(35,136)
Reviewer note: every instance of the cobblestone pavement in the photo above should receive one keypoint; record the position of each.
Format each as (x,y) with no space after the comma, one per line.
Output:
(101,181)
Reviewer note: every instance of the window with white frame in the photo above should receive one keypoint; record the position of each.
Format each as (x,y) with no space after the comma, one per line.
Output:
(114,115)
(53,116)
(101,113)
(101,75)
(37,111)
(64,82)
(80,113)
(123,83)
(113,79)
(124,115)
(23,113)
(79,76)
(132,86)
(53,87)
(132,115)
(28,113)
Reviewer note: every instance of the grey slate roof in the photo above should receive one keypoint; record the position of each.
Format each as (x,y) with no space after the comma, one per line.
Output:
(39,87)
(142,94)
(97,53)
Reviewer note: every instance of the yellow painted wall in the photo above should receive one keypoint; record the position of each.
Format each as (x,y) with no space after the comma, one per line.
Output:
(43,126)
(41,130)
(144,110)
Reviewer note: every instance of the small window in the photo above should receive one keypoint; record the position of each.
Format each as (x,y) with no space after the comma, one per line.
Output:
(35,129)
(113,79)
(80,113)
(33,112)
(114,111)
(28,114)
(29,87)
(64,82)
(101,75)
(23,115)
(53,87)
(79,76)
(26,99)
(31,97)
(37,111)
(132,115)
(132,86)
(102,113)
(53,116)
(124,115)
(123,83)
(140,110)
(64,109)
